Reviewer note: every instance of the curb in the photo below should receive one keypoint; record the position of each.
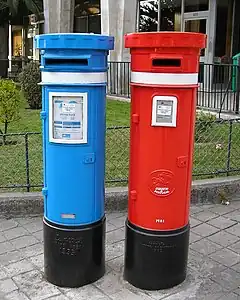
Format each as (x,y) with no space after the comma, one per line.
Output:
(214,191)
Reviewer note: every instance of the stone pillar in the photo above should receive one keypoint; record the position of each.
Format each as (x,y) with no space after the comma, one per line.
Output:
(59,16)
(118,17)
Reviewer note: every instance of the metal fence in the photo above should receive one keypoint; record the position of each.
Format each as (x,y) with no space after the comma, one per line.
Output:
(217,152)
(219,85)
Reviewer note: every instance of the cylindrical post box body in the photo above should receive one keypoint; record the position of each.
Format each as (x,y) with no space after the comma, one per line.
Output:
(164,81)
(74,76)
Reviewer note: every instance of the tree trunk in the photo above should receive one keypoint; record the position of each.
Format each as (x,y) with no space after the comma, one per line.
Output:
(4,133)
(4,33)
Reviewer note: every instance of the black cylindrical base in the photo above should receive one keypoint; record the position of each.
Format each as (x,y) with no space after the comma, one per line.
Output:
(155,260)
(74,256)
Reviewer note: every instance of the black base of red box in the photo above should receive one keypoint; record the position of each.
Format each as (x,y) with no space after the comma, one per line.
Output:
(155,260)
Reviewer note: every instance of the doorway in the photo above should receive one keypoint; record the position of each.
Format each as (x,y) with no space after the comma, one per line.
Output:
(199,25)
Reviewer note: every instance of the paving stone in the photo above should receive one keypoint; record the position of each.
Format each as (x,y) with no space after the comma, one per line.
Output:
(118,222)
(205,216)
(236,268)
(194,209)
(18,268)
(222,209)
(39,235)
(41,290)
(15,233)
(126,294)
(2,237)
(26,220)
(24,241)
(59,297)
(228,279)
(38,261)
(205,230)
(110,283)
(234,215)
(237,291)
(226,257)
(114,250)
(228,296)
(205,246)
(115,236)
(36,225)
(221,222)
(235,230)
(16,295)
(116,264)
(235,247)
(223,238)
(3,274)
(28,279)
(202,290)
(190,285)
(86,292)
(202,265)
(114,215)
(7,286)
(33,250)
(110,227)
(7,224)
(208,290)
(6,247)
(10,257)
(194,237)
(236,202)
(194,222)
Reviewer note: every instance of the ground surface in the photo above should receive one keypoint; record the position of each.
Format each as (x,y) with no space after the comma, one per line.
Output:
(213,268)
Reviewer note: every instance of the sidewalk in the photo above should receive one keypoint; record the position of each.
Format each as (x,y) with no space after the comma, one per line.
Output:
(213,273)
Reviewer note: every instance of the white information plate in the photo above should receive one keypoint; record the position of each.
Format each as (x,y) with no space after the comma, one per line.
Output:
(164,111)
(68,118)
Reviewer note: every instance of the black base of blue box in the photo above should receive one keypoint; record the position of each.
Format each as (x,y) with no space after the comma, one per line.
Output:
(155,260)
(74,256)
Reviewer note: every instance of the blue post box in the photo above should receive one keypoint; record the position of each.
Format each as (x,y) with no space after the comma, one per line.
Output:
(74,77)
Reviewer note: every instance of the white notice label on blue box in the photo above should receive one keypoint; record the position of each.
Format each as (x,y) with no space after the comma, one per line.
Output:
(68,118)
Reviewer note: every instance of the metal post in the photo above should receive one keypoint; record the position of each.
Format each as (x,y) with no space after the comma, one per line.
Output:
(138,15)
(238,87)
(229,147)
(159,16)
(27,163)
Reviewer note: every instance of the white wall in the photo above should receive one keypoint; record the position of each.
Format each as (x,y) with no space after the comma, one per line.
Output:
(118,17)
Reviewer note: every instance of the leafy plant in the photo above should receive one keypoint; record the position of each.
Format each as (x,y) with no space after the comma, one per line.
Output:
(29,79)
(10,100)
(204,122)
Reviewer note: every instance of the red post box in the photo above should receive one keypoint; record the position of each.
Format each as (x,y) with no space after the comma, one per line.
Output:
(164,81)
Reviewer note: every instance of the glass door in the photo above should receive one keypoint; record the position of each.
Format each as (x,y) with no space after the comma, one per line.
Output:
(201,26)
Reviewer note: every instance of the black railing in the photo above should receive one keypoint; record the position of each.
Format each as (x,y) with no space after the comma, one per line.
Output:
(219,85)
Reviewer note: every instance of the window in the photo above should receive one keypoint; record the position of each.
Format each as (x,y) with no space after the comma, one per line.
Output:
(87,16)
(148,15)
(224,29)
(196,5)
(169,14)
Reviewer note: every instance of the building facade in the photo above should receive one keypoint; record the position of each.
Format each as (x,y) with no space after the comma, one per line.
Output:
(217,18)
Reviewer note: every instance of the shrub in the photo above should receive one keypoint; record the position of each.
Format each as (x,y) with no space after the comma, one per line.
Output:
(10,100)
(204,122)
(29,79)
